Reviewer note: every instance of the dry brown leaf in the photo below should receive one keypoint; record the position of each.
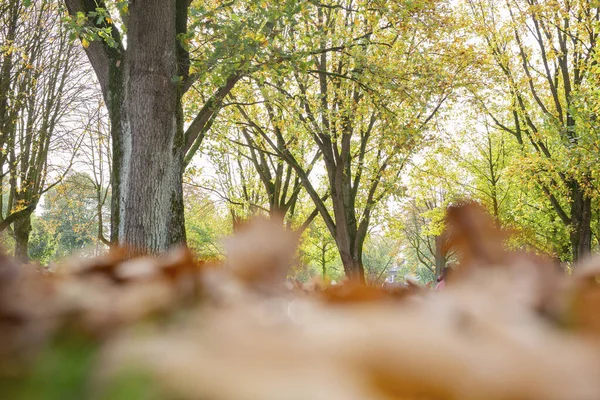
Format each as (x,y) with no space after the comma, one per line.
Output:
(261,252)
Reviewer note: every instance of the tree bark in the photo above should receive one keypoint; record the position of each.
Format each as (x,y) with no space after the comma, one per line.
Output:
(142,87)
(151,157)
(5,82)
(581,218)
(114,100)
(323,262)
(353,267)
(350,246)
(440,256)
(22,229)
(346,228)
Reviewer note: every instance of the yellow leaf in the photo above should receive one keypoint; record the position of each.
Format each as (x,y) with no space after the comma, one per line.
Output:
(85,43)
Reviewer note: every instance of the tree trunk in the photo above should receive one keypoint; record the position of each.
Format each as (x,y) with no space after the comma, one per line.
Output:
(323,263)
(22,229)
(115,110)
(581,217)
(353,266)
(349,244)
(142,85)
(149,165)
(440,257)
(5,81)
(346,234)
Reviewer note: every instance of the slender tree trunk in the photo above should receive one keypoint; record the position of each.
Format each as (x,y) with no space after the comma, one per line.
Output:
(100,204)
(323,263)
(5,78)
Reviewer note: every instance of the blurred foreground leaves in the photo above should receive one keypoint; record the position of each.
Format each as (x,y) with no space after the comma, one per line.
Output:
(508,325)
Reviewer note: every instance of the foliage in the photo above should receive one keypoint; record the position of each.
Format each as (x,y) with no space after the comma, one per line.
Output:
(43,242)
(539,59)
(359,121)
(42,86)
(379,258)
(68,222)
(318,255)
(205,224)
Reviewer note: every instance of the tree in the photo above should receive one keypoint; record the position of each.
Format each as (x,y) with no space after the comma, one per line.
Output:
(206,223)
(144,69)
(379,257)
(542,52)
(471,159)
(318,252)
(144,104)
(276,186)
(280,181)
(495,165)
(358,110)
(423,238)
(95,157)
(69,220)
(231,180)
(42,84)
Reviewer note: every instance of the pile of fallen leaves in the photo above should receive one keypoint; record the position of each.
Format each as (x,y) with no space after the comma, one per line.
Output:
(508,325)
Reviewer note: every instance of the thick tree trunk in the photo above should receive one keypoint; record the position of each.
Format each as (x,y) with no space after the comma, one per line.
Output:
(346,234)
(581,217)
(149,163)
(350,247)
(142,86)
(22,229)
(353,266)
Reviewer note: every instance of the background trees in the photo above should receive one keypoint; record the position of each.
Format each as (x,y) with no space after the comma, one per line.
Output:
(360,108)
(145,73)
(542,52)
(43,83)
(68,221)
(359,121)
